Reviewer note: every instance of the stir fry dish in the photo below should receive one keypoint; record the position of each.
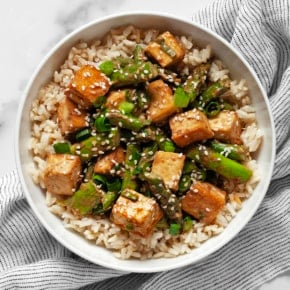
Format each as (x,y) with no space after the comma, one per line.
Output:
(145,144)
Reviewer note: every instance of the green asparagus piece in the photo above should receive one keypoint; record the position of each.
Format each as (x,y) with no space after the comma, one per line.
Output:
(129,194)
(146,160)
(163,142)
(124,121)
(131,160)
(232,151)
(189,90)
(220,164)
(168,200)
(211,93)
(97,144)
(127,71)
(85,199)
(108,200)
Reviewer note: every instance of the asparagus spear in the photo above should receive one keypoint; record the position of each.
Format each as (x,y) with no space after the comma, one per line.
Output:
(168,200)
(211,93)
(131,161)
(220,164)
(232,151)
(189,90)
(123,71)
(146,160)
(84,200)
(95,145)
(124,121)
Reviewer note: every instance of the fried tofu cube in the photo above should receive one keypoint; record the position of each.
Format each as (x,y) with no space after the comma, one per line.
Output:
(138,215)
(107,163)
(162,101)
(87,86)
(166,50)
(168,165)
(226,126)
(204,201)
(189,127)
(62,173)
(70,117)
(115,98)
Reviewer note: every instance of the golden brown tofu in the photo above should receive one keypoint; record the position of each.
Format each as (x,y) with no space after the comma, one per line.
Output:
(189,127)
(87,86)
(168,165)
(62,173)
(107,163)
(166,50)
(162,101)
(138,216)
(226,126)
(115,98)
(70,117)
(204,201)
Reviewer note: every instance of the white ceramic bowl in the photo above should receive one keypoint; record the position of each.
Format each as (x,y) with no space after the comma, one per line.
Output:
(238,68)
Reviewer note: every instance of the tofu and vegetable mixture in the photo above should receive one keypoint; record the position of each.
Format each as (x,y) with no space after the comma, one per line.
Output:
(144,144)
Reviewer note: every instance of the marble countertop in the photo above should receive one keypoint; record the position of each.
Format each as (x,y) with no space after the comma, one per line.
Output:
(30,28)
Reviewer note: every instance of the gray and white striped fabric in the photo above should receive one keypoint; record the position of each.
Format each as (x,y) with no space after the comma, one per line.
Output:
(30,258)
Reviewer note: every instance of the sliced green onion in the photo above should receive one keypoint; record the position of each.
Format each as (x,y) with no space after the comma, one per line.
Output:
(187,224)
(102,124)
(174,229)
(212,108)
(181,98)
(114,185)
(83,134)
(61,148)
(169,146)
(126,107)
(100,179)
(107,67)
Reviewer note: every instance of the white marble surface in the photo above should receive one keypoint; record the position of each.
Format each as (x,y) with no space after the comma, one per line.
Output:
(30,28)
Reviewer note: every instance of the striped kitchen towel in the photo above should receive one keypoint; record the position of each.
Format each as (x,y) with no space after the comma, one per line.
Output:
(30,258)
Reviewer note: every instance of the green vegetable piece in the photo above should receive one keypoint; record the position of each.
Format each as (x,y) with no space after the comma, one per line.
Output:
(184,183)
(85,199)
(128,122)
(187,224)
(129,194)
(83,134)
(131,160)
(163,142)
(181,98)
(94,145)
(146,160)
(222,165)
(102,124)
(162,224)
(126,107)
(212,109)
(211,93)
(168,200)
(108,200)
(62,148)
(232,151)
(174,229)
(107,67)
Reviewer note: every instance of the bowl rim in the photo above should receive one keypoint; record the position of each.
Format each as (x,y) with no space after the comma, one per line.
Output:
(120,266)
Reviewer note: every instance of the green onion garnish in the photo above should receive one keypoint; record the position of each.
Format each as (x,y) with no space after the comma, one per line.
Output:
(174,229)
(187,224)
(169,146)
(107,67)
(126,107)
(102,124)
(83,134)
(61,148)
